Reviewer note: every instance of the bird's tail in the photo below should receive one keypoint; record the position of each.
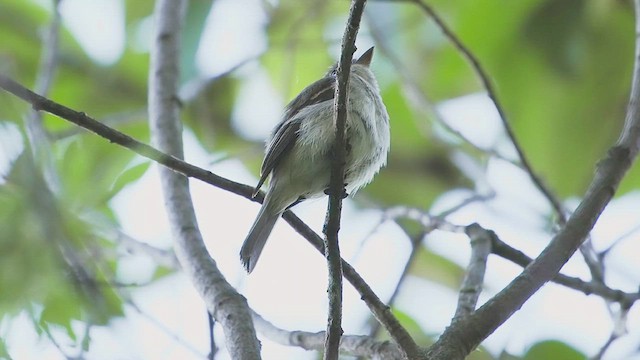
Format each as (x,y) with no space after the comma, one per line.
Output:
(257,238)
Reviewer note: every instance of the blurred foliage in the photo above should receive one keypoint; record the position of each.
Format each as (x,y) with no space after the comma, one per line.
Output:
(58,259)
(434,267)
(552,349)
(561,69)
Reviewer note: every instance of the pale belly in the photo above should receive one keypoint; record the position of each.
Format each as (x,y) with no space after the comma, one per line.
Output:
(305,172)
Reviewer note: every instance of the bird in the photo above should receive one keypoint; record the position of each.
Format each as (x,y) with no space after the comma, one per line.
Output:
(299,151)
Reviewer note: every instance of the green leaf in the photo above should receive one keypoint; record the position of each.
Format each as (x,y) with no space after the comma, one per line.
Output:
(557,29)
(46,257)
(291,62)
(551,350)
(4,353)
(412,326)
(89,165)
(162,272)
(507,356)
(60,308)
(137,10)
(129,176)
(433,267)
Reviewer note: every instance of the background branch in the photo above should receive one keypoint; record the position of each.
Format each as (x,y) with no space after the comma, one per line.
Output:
(463,336)
(488,86)
(586,249)
(226,305)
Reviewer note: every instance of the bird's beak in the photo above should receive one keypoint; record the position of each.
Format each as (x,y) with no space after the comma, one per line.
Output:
(365,59)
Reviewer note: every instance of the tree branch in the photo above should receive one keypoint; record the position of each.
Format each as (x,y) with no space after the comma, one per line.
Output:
(336,184)
(465,335)
(226,305)
(377,307)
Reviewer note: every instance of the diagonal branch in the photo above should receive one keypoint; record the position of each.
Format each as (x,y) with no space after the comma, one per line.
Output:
(488,85)
(222,300)
(462,337)
(377,307)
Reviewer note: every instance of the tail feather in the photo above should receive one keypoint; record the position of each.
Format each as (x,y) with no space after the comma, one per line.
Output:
(257,238)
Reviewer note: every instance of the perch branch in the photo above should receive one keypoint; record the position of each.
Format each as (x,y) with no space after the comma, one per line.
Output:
(336,184)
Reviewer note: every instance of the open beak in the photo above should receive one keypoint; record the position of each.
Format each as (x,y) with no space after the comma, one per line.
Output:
(365,59)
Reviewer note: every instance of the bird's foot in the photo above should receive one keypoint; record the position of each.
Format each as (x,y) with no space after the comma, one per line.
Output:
(344,192)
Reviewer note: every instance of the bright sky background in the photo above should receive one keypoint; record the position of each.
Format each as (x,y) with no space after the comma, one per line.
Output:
(289,285)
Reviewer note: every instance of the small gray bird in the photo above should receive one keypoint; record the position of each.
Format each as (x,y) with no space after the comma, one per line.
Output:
(299,151)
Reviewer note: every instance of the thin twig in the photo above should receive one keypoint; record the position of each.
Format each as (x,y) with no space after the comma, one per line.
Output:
(619,329)
(617,241)
(165,329)
(336,183)
(164,257)
(427,221)
(419,99)
(377,307)
(488,85)
(222,300)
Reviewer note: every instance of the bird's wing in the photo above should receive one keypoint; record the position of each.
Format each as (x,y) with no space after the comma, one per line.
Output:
(286,133)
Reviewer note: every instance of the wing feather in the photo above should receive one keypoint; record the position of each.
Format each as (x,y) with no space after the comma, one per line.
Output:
(285,134)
